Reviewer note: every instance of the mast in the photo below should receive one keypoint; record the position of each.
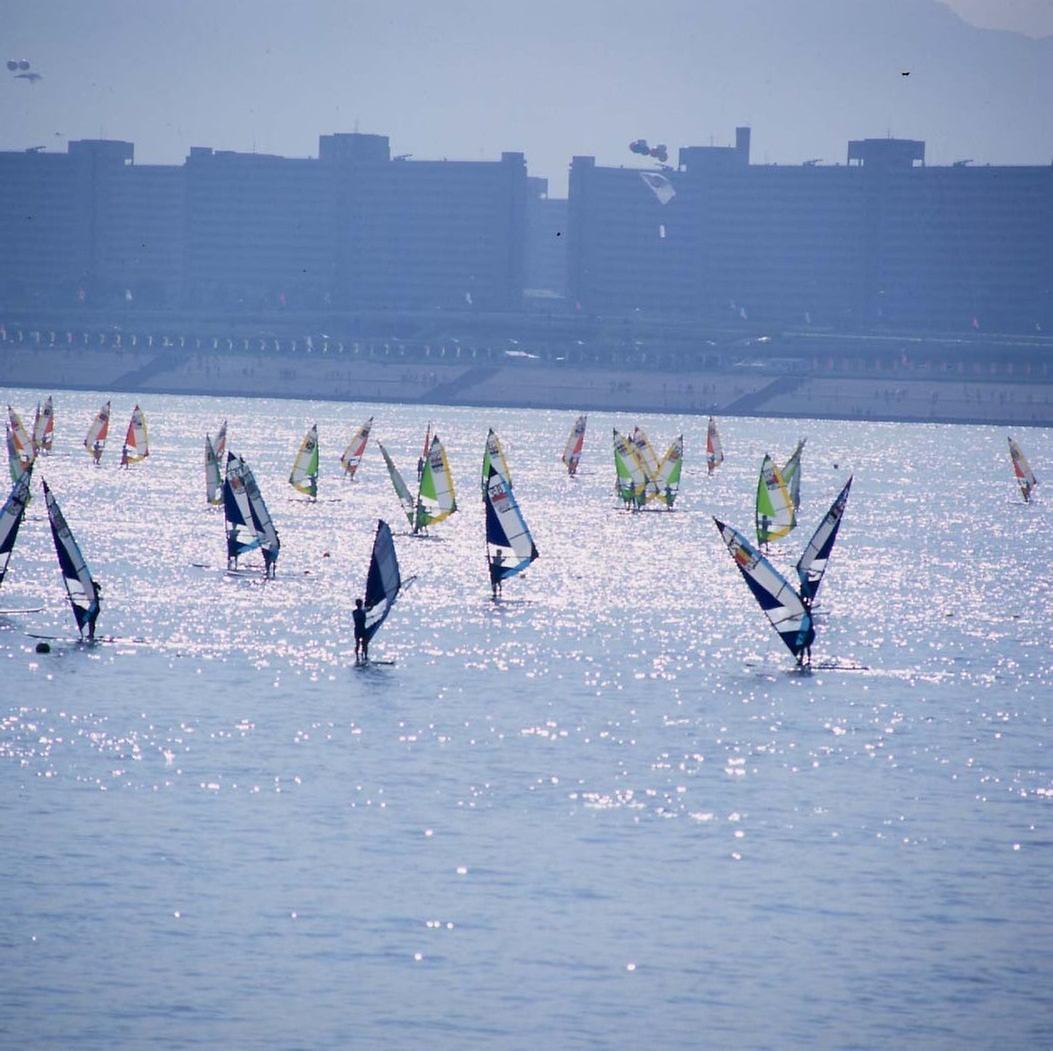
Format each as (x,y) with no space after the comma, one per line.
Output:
(572,450)
(356,449)
(812,564)
(81,589)
(11,516)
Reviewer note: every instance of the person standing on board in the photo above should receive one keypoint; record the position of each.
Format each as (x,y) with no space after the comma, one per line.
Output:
(93,609)
(96,452)
(495,573)
(358,615)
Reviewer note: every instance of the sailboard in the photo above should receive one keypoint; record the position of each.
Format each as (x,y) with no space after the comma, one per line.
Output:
(304,474)
(507,533)
(95,440)
(494,454)
(11,516)
(237,513)
(270,544)
(812,564)
(220,444)
(44,428)
(775,514)
(356,449)
(401,489)
(17,464)
(572,450)
(81,589)
(383,581)
(1025,477)
(213,479)
(667,480)
(631,479)
(714,447)
(436,498)
(791,475)
(22,440)
(136,443)
(775,595)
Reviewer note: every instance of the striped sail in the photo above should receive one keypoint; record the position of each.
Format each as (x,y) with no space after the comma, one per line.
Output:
(383,581)
(631,480)
(645,451)
(775,515)
(714,448)
(266,534)
(781,604)
(436,499)
(401,489)
(1025,477)
(506,531)
(23,443)
(812,564)
(791,474)
(356,449)
(95,440)
(241,532)
(575,441)
(304,474)
(44,427)
(136,442)
(494,454)
(11,516)
(668,479)
(17,464)
(81,589)
(213,479)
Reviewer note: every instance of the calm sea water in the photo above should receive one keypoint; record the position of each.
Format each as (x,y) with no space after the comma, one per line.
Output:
(604,813)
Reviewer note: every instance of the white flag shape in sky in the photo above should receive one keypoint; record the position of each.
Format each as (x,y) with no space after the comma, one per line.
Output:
(659,185)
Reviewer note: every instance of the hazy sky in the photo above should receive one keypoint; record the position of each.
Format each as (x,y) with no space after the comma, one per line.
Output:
(467,79)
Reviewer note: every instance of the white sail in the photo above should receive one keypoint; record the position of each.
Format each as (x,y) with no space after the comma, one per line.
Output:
(401,490)
(241,530)
(213,479)
(220,444)
(791,474)
(270,544)
(714,447)
(11,516)
(506,530)
(80,587)
(44,427)
(669,471)
(436,498)
(22,440)
(95,440)
(304,474)
(494,454)
(136,442)
(812,564)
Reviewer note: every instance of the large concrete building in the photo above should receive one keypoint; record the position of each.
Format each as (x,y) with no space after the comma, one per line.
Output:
(879,239)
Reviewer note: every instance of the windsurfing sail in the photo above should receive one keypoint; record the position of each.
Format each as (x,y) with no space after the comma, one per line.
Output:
(781,604)
(44,427)
(668,478)
(572,450)
(775,515)
(17,464)
(494,454)
(82,590)
(436,499)
(304,474)
(812,564)
(136,442)
(266,534)
(11,516)
(220,444)
(506,531)
(791,475)
(95,441)
(383,580)
(714,448)
(401,489)
(238,512)
(631,480)
(1025,477)
(424,452)
(213,479)
(645,451)
(356,449)
(23,443)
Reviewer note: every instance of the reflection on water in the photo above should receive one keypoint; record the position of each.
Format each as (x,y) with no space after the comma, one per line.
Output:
(605,812)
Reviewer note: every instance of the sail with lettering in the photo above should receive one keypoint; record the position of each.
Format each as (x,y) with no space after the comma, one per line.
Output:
(436,498)
(383,581)
(669,470)
(645,451)
(270,544)
(509,546)
(1025,477)
(812,564)
(630,476)
(136,443)
(356,449)
(494,454)
(409,505)
(575,441)
(304,474)
(775,514)
(775,595)
(241,531)
(11,516)
(95,440)
(22,440)
(213,478)
(44,428)
(714,448)
(80,587)
(791,475)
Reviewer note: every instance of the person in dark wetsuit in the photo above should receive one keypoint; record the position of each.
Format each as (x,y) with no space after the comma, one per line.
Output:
(804,658)
(358,615)
(93,610)
(496,567)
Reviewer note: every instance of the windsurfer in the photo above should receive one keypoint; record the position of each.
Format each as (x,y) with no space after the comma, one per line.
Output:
(96,452)
(358,615)
(804,657)
(496,568)
(93,609)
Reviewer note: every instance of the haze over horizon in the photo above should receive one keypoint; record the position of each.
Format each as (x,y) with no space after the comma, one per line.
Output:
(472,79)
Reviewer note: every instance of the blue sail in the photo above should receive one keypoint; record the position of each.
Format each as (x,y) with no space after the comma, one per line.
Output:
(383,580)
(80,587)
(506,529)
(11,516)
(812,564)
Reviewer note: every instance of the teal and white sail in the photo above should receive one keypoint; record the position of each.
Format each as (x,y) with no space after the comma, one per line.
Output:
(494,454)
(791,475)
(667,480)
(267,535)
(509,546)
(781,603)
(213,479)
(11,516)
(409,505)
(241,531)
(775,514)
(812,564)
(383,581)
(80,587)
